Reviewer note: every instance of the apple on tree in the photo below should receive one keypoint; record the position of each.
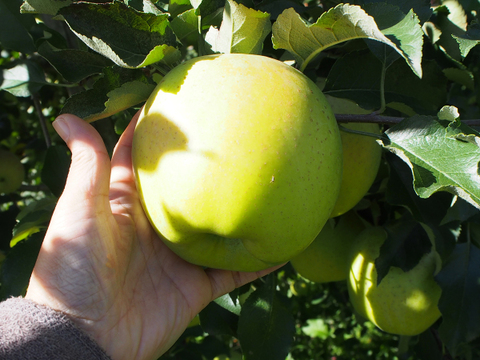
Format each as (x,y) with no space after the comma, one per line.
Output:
(404,303)
(327,258)
(238,161)
(12,172)
(361,157)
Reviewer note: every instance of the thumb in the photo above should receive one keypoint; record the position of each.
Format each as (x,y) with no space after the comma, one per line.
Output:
(89,174)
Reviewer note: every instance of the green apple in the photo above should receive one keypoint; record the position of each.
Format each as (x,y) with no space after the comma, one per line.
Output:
(237,160)
(404,303)
(12,172)
(327,257)
(361,157)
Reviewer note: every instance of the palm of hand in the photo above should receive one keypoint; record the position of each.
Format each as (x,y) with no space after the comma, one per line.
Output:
(102,264)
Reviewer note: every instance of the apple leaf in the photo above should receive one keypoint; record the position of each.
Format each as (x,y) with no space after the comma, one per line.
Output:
(459,280)
(118,89)
(400,192)
(185,26)
(74,65)
(205,8)
(243,30)
(32,219)
(402,29)
(55,168)
(266,325)
(229,304)
(343,23)
(216,320)
(439,156)
(15,28)
(129,38)
(405,245)
(17,268)
(23,79)
(49,7)
(356,76)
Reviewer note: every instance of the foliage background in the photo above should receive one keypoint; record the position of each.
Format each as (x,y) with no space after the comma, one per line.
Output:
(413,64)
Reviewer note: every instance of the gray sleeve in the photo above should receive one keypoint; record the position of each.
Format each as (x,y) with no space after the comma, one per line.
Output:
(29,331)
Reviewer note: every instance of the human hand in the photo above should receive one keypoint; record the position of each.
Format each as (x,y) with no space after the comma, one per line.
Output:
(102,264)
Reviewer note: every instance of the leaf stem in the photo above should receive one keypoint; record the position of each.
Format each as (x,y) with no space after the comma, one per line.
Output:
(42,120)
(383,103)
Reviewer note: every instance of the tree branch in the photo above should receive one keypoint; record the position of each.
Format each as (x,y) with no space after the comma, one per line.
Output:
(382,119)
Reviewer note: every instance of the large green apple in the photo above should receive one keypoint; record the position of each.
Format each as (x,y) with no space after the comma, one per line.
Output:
(327,258)
(237,160)
(361,157)
(12,172)
(404,303)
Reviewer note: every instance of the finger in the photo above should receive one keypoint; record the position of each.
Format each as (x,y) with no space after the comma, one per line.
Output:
(89,174)
(122,155)
(224,281)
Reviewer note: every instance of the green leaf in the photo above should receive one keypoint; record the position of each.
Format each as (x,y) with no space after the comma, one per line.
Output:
(49,7)
(266,325)
(357,76)
(342,23)
(129,38)
(206,8)
(177,7)
(119,89)
(74,65)
(459,280)
(18,266)
(400,192)
(15,28)
(243,30)
(439,159)
(23,80)
(185,27)
(460,76)
(227,303)
(32,219)
(317,328)
(402,29)
(55,168)
(405,245)
(216,320)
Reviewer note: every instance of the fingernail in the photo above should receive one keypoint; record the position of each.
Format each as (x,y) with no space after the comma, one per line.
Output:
(61,127)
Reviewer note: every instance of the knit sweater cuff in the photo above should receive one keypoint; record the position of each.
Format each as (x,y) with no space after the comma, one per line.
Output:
(32,331)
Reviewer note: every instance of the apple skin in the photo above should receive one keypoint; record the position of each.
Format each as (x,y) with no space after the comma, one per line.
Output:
(404,303)
(361,157)
(12,172)
(237,160)
(327,258)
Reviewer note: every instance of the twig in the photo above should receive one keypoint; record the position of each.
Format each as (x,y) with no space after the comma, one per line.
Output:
(41,118)
(382,119)
(369,118)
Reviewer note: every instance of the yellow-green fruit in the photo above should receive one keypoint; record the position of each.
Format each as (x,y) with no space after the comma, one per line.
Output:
(12,172)
(327,257)
(404,303)
(237,160)
(361,157)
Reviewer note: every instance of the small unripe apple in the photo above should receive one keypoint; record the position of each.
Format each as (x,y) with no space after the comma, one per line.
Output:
(404,303)
(237,160)
(12,172)
(327,258)
(361,157)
